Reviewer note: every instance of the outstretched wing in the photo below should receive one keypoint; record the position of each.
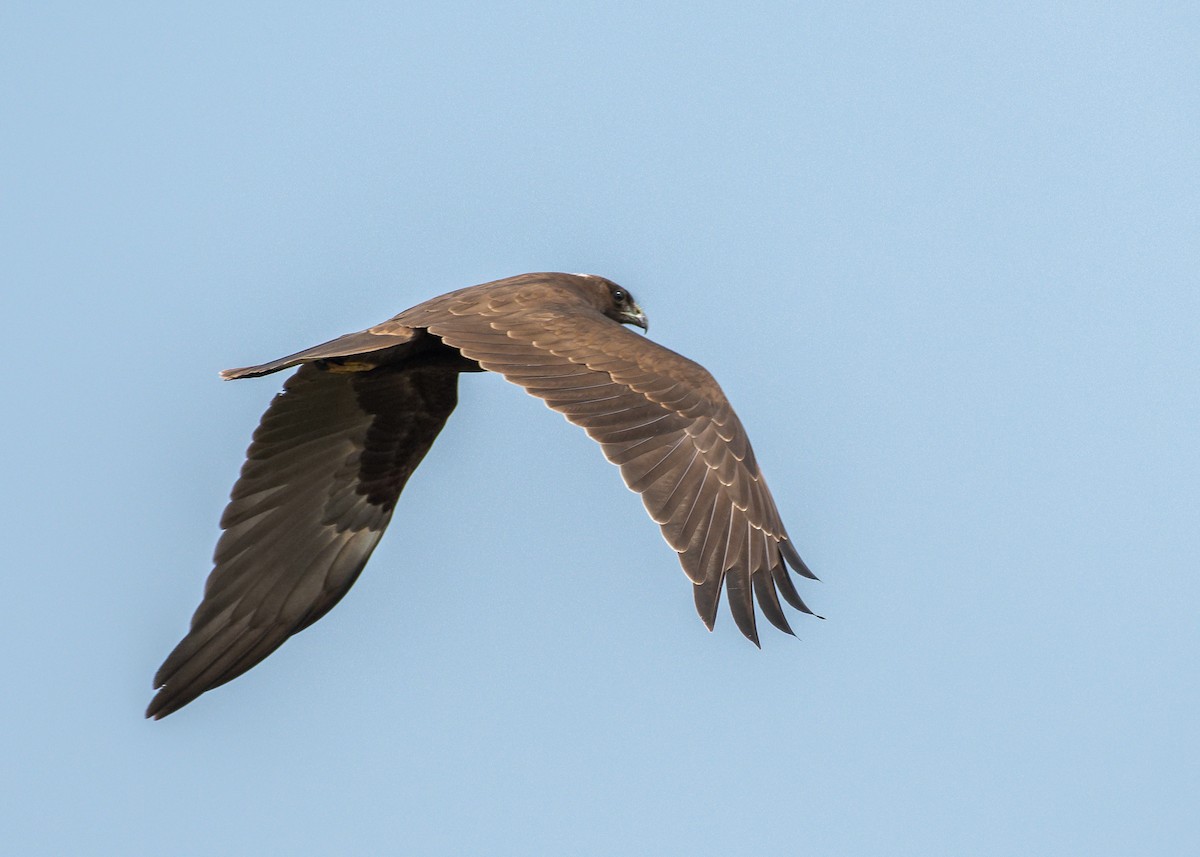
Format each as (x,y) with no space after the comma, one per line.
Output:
(325,468)
(659,416)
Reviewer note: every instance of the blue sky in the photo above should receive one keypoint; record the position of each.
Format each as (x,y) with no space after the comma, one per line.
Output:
(943,259)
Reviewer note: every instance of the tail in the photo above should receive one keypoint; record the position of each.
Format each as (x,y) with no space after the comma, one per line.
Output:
(386,335)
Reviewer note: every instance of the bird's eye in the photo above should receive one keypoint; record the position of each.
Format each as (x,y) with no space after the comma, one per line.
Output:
(619,296)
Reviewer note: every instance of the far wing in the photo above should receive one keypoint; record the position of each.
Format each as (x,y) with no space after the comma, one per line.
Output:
(327,463)
(667,424)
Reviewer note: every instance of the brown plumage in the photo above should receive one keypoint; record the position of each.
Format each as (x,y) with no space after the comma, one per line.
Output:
(335,448)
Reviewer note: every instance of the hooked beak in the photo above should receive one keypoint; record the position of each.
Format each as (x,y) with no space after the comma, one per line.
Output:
(636,317)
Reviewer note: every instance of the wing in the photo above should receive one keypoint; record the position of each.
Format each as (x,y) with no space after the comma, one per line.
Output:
(327,463)
(657,415)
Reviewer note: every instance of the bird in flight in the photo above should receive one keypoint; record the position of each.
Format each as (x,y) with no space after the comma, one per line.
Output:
(335,448)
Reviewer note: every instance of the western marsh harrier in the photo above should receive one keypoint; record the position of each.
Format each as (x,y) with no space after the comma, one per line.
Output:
(334,450)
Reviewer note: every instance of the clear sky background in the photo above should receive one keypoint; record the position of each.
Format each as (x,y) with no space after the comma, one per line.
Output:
(943,258)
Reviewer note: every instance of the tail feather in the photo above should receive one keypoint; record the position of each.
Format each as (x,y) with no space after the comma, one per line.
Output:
(350,345)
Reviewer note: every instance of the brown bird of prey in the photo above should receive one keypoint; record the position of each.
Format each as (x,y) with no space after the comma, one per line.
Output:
(334,450)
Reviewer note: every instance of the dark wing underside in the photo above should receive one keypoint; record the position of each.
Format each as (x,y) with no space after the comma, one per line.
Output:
(658,416)
(328,461)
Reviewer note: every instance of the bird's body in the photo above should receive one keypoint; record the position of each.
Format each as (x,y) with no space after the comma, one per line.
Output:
(335,448)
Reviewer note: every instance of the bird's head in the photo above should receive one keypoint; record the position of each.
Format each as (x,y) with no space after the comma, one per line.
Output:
(625,309)
(612,300)
(621,307)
